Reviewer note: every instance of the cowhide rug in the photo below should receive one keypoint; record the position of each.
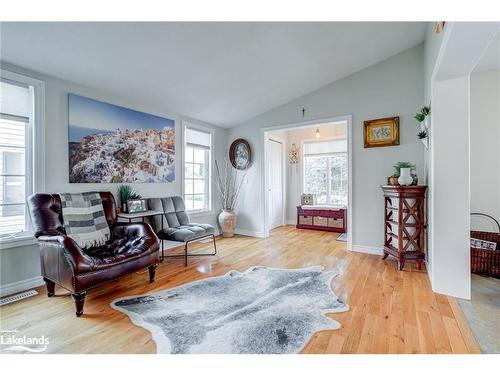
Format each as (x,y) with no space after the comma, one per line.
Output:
(263,310)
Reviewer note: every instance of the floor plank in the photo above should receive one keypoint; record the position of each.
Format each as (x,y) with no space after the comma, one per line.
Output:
(390,311)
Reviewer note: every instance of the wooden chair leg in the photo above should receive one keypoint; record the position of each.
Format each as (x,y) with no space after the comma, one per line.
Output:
(79,299)
(401,265)
(51,286)
(152,272)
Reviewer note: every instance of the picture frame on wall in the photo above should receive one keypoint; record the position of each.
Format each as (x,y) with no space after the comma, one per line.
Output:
(240,154)
(381,132)
(113,144)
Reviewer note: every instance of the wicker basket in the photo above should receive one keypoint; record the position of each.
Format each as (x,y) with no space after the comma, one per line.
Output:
(485,262)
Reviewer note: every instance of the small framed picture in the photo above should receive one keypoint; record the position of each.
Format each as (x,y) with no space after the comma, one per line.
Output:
(381,132)
(136,205)
(240,154)
(307,199)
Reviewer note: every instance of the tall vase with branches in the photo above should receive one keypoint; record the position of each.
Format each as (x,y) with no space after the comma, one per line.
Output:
(229,183)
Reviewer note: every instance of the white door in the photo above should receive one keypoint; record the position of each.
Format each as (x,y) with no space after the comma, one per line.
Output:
(275,183)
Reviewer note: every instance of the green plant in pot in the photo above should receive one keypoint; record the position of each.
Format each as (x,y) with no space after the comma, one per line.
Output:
(126,192)
(423,119)
(405,173)
(422,114)
(422,134)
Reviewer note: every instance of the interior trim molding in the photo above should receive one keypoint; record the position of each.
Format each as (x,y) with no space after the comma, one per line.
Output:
(376,250)
(251,233)
(20,286)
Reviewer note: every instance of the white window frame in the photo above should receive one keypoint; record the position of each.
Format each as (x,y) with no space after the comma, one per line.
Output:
(328,187)
(34,152)
(208,186)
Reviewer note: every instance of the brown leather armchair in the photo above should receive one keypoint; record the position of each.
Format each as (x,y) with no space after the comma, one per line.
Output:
(133,246)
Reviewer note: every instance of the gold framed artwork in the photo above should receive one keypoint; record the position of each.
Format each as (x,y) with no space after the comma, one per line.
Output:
(382,132)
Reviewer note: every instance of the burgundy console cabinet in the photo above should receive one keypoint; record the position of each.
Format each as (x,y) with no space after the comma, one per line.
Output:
(329,219)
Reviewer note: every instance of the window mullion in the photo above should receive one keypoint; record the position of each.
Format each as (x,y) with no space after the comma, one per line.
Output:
(328,180)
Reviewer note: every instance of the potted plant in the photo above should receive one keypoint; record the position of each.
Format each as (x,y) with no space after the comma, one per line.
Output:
(405,171)
(126,192)
(423,119)
(422,134)
(229,185)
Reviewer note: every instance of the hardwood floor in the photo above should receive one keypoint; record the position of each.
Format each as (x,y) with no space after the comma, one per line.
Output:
(390,311)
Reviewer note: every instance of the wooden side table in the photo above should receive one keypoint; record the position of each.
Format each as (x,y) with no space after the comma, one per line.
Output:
(404,223)
(140,215)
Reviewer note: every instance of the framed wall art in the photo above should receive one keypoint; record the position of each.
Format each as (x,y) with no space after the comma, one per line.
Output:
(381,132)
(240,154)
(113,144)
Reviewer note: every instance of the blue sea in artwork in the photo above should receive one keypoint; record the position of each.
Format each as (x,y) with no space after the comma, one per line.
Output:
(76,134)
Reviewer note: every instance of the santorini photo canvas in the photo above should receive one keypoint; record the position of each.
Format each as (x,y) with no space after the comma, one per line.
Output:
(113,144)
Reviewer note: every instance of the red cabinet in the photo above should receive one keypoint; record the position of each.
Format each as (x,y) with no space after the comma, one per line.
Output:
(329,219)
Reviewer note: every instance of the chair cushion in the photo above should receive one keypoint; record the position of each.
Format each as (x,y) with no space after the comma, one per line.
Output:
(176,225)
(187,232)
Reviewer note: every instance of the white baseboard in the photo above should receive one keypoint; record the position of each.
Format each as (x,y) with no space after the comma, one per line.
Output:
(291,222)
(20,286)
(368,249)
(250,233)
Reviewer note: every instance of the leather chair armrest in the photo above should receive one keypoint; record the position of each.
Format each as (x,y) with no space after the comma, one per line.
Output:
(80,261)
(149,240)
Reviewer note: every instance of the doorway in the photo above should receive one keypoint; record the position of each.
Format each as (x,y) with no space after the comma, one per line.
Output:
(275,182)
(313,141)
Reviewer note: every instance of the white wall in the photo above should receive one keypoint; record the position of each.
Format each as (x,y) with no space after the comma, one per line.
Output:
(432,46)
(485,148)
(462,46)
(394,87)
(449,246)
(18,264)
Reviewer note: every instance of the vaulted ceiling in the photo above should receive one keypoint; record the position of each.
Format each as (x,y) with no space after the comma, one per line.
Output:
(221,73)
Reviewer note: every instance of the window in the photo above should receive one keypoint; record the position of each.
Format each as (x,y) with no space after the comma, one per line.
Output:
(17,152)
(197,170)
(325,171)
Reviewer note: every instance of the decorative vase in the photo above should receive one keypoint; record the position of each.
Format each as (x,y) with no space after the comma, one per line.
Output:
(405,177)
(124,208)
(227,222)
(422,126)
(427,122)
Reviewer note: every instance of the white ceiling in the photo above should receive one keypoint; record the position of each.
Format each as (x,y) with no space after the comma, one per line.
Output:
(491,57)
(221,73)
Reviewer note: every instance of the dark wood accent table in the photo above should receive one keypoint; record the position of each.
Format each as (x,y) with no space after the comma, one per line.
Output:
(404,223)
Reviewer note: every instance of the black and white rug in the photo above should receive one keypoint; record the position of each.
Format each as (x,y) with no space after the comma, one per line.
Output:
(263,310)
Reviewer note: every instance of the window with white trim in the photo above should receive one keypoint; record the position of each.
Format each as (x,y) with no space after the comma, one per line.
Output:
(197,169)
(326,171)
(16,156)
